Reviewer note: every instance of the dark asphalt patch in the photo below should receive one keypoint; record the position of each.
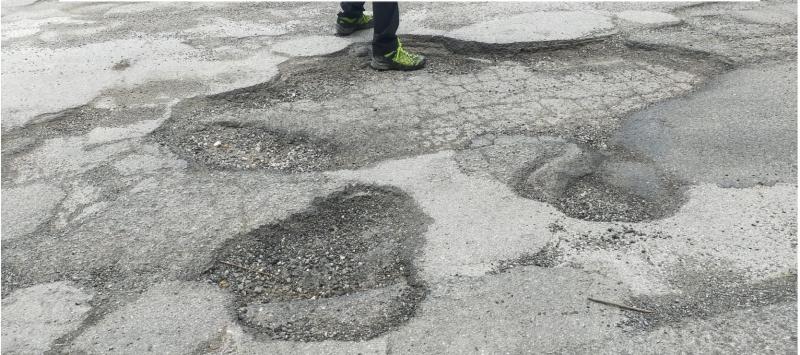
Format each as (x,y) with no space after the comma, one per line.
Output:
(739,131)
(341,270)
(311,79)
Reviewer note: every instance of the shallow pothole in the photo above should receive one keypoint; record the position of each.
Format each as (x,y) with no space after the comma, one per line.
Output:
(234,146)
(581,181)
(591,198)
(341,270)
(600,186)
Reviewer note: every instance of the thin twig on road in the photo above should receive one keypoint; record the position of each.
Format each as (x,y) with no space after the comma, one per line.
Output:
(629,308)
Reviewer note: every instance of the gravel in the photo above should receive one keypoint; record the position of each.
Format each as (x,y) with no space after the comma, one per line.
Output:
(247,147)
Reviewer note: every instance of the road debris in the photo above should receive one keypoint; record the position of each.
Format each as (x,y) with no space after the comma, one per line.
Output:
(628,308)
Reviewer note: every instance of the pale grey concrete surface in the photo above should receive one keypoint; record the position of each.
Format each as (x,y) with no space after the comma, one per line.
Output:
(34,317)
(652,18)
(639,153)
(311,46)
(196,313)
(540,26)
(26,207)
(526,310)
(760,330)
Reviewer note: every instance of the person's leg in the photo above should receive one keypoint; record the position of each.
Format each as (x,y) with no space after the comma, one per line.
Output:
(387,51)
(352,18)
(352,9)
(387,18)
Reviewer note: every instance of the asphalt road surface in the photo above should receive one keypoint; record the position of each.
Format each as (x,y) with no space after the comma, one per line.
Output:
(231,178)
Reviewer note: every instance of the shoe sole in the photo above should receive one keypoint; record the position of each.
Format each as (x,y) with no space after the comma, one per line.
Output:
(380,66)
(346,31)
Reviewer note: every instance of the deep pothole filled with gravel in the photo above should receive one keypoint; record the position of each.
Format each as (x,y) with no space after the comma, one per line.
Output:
(341,270)
(334,112)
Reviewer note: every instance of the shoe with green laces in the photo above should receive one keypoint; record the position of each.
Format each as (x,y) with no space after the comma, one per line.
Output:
(348,25)
(398,59)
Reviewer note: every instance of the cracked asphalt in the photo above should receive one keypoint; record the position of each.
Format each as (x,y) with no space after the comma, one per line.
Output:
(231,178)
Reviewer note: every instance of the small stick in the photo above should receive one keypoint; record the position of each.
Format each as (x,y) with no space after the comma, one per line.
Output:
(243,268)
(629,308)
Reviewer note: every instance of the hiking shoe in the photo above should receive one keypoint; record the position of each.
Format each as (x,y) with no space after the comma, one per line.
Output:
(398,59)
(348,25)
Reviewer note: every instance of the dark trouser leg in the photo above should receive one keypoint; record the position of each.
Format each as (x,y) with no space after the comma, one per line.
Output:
(387,18)
(352,9)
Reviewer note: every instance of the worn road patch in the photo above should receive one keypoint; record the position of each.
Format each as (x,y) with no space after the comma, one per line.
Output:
(579,92)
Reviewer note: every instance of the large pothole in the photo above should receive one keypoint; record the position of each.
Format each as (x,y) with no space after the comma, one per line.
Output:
(332,101)
(341,270)
(581,181)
